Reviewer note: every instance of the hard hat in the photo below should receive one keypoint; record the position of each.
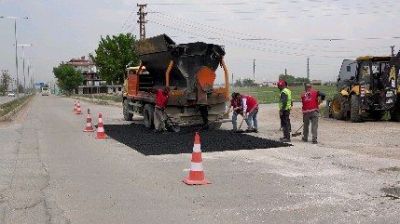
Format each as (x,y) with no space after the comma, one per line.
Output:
(281,83)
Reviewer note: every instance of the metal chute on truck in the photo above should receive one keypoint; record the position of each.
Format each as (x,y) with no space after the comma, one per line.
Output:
(190,72)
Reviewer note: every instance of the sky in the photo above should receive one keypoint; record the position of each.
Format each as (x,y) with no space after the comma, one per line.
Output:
(278,34)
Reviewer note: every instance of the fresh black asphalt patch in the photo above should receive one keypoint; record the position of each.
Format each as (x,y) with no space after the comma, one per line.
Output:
(147,142)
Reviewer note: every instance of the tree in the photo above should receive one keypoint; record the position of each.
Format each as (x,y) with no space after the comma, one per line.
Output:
(68,78)
(249,82)
(238,83)
(113,54)
(4,82)
(291,80)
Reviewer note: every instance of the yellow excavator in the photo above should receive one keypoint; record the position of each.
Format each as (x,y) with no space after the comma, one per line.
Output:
(367,87)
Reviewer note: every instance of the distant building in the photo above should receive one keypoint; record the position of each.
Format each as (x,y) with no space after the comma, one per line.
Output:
(92,83)
(316,82)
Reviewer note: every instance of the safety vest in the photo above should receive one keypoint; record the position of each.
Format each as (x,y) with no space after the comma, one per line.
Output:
(310,101)
(289,99)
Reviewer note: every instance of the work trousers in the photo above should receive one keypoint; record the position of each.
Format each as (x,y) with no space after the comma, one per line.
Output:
(251,120)
(159,119)
(285,121)
(313,118)
(234,120)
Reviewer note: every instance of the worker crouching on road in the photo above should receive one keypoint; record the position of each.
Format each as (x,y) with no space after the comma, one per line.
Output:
(310,99)
(249,108)
(160,115)
(285,105)
(237,109)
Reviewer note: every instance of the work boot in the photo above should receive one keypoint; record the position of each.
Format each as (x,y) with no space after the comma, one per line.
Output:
(284,139)
(314,141)
(304,139)
(255,130)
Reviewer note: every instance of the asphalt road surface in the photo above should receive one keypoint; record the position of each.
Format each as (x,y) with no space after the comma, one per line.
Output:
(53,172)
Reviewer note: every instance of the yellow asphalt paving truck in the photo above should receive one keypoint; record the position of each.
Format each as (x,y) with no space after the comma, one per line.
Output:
(189,70)
(367,88)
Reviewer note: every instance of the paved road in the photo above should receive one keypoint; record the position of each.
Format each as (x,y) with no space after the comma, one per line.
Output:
(52,172)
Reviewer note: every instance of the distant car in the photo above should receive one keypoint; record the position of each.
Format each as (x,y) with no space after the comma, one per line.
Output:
(45,91)
(11,94)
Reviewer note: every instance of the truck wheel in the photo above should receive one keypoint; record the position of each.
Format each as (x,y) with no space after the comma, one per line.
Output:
(355,109)
(148,116)
(125,110)
(336,107)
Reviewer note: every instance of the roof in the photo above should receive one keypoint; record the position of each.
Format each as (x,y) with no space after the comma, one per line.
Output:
(374,58)
(80,62)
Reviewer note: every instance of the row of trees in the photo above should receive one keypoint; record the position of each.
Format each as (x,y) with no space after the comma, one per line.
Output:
(5,82)
(290,79)
(111,57)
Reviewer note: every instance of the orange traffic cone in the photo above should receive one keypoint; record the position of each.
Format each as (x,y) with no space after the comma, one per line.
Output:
(100,128)
(78,108)
(89,126)
(75,107)
(196,173)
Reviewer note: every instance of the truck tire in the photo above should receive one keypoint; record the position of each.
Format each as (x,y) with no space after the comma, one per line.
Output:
(355,108)
(125,110)
(336,107)
(148,116)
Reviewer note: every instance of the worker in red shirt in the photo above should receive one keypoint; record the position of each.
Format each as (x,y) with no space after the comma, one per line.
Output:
(249,106)
(311,99)
(160,115)
(237,109)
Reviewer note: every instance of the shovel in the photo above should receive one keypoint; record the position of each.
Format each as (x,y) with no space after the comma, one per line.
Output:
(298,132)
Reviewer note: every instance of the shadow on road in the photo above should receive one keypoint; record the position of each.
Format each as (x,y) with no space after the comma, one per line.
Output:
(147,142)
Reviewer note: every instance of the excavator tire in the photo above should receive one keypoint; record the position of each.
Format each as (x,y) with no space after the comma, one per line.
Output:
(336,107)
(355,108)
(395,114)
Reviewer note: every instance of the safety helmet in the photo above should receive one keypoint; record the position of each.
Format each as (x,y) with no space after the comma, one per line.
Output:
(282,84)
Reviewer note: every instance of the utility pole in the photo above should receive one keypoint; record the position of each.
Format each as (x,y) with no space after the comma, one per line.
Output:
(232,81)
(23,60)
(308,69)
(285,72)
(254,69)
(142,20)
(16,44)
(392,48)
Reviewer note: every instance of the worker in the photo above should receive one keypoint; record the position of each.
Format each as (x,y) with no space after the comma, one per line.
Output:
(311,99)
(285,105)
(160,115)
(249,106)
(236,108)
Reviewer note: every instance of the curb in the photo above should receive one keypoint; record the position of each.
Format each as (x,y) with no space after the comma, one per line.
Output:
(98,101)
(9,115)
